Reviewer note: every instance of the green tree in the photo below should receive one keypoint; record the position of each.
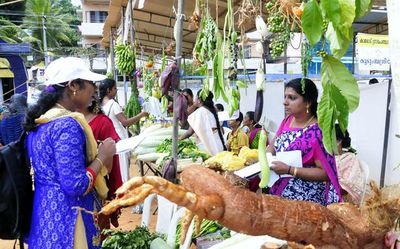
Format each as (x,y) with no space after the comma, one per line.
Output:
(68,8)
(57,21)
(9,32)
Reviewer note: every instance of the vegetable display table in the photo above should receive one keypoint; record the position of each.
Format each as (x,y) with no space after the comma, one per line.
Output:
(150,166)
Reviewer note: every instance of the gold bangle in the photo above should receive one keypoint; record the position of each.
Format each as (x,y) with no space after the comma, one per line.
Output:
(100,161)
(295,172)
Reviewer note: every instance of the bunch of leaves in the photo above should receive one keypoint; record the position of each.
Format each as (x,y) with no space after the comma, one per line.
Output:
(332,20)
(166,145)
(194,154)
(58,23)
(9,31)
(139,238)
(206,227)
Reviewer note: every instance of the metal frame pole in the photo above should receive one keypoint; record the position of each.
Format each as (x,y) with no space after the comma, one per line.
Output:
(46,54)
(178,55)
(386,137)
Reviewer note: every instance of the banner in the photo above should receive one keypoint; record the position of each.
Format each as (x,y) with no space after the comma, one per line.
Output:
(393,7)
(373,52)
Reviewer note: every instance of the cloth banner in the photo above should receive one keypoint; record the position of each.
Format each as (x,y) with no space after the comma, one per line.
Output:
(393,7)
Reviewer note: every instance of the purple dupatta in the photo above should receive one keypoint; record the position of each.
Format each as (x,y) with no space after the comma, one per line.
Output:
(253,134)
(309,142)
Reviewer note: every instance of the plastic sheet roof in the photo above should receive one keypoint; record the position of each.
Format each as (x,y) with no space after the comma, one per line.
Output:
(154,23)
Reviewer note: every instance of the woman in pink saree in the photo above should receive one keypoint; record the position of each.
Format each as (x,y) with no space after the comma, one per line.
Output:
(317,180)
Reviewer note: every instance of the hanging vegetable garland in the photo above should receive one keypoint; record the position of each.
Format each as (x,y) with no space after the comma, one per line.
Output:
(205,49)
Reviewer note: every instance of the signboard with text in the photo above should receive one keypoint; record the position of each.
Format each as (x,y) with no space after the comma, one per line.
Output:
(373,52)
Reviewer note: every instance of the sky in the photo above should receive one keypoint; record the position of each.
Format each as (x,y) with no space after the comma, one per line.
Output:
(76,2)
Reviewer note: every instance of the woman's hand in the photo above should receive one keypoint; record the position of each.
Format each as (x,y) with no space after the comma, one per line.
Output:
(106,151)
(280,168)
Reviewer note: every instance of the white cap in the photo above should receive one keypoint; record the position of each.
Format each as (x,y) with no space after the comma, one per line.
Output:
(224,115)
(69,68)
(235,115)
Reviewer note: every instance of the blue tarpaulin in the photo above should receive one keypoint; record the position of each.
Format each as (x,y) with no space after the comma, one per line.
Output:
(17,66)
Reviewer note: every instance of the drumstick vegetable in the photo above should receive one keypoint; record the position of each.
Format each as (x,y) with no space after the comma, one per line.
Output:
(262,159)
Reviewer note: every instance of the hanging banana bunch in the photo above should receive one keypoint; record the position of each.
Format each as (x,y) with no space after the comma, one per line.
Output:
(125,58)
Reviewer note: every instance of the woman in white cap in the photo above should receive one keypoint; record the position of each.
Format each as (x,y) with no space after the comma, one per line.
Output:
(67,164)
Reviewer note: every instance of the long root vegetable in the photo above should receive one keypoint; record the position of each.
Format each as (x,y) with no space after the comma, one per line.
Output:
(208,195)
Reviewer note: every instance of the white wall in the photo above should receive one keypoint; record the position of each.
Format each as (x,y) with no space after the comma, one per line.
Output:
(393,156)
(367,126)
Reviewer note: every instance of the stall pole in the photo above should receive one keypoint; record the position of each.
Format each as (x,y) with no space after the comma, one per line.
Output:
(112,55)
(353,54)
(178,55)
(386,138)
(46,53)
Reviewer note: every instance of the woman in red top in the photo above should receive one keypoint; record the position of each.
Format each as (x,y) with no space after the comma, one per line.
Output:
(103,128)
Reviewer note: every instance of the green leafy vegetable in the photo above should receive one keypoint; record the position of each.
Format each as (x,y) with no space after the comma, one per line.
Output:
(206,227)
(139,238)
(312,22)
(166,145)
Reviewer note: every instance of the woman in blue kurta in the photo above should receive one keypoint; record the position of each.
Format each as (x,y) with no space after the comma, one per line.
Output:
(65,160)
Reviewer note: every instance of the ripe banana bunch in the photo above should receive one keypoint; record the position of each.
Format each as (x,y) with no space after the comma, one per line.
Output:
(125,58)
(234,97)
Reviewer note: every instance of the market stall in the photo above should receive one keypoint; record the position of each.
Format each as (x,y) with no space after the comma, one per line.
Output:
(217,47)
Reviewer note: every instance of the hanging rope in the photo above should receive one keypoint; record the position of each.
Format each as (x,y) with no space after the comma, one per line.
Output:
(216,12)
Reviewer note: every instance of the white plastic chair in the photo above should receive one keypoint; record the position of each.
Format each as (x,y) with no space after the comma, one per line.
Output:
(172,230)
(365,172)
(165,211)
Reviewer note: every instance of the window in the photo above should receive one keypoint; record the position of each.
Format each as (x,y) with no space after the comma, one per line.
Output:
(98,16)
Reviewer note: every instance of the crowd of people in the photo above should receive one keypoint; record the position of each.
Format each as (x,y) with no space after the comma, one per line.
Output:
(76,122)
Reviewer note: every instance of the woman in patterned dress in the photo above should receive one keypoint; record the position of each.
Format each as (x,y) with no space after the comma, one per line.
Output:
(317,180)
(65,160)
